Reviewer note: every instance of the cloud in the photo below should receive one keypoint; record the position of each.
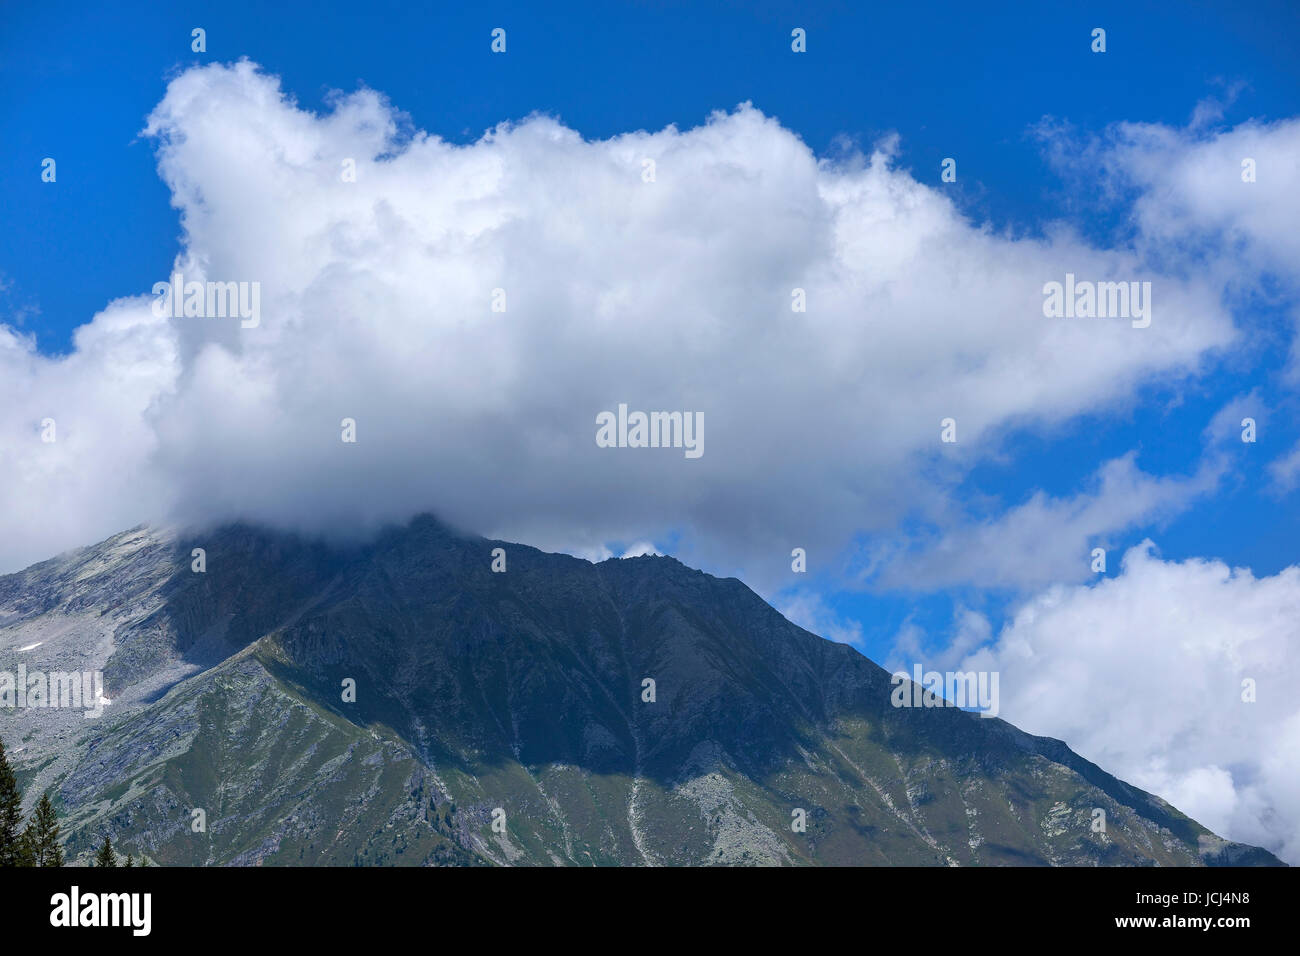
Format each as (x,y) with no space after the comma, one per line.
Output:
(971,629)
(640,550)
(673,294)
(1284,472)
(75,433)
(1045,539)
(1165,647)
(1193,203)
(811,612)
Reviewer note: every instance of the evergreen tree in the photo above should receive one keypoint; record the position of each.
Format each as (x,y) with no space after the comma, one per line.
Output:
(129,861)
(106,856)
(26,855)
(11,815)
(41,838)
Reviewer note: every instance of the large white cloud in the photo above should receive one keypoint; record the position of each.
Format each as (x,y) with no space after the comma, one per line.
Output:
(667,295)
(1143,674)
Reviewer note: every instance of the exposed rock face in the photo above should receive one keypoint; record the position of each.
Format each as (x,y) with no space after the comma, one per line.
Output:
(500,718)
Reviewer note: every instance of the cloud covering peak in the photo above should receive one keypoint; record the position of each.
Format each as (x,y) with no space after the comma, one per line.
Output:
(653,269)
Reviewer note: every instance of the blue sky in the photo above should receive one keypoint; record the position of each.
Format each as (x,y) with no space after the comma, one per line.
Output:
(490,421)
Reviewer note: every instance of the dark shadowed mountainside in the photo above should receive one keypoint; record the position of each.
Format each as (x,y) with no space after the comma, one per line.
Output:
(516,697)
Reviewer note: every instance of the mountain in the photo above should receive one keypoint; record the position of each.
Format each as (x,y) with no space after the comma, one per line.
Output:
(513,702)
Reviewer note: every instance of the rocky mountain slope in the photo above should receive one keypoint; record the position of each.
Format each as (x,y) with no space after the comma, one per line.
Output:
(501,718)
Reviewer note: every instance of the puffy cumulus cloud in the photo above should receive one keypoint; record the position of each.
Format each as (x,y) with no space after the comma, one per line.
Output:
(672,294)
(1165,647)
(1220,199)
(1239,186)
(76,432)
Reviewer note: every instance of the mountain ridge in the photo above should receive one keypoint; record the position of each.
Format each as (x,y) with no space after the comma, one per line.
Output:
(519,691)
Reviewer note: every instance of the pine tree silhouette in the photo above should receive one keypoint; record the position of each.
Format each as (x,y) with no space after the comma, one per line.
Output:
(106,856)
(41,838)
(11,815)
